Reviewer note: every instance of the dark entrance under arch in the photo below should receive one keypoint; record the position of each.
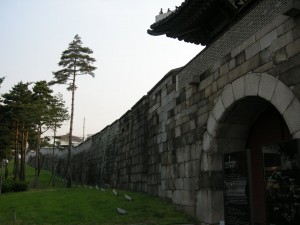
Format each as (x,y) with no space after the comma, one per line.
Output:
(254,128)
(268,129)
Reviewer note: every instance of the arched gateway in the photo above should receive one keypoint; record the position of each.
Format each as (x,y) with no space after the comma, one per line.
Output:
(254,127)
(219,137)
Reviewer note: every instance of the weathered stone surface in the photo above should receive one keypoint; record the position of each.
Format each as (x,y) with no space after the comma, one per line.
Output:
(267,40)
(170,143)
(282,97)
(212,125)
(209,206)
(251,84)
(282,41)
(253,50)
(267,86)
(218,110)
(293,48)
(238,87)
(227,96)
(292,117)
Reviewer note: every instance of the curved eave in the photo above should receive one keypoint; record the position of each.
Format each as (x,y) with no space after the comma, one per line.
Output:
(198,21)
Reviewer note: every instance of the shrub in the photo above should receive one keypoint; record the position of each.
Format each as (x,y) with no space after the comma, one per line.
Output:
(10,185)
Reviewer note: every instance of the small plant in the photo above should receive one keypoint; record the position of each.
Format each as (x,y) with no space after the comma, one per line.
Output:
(10,185)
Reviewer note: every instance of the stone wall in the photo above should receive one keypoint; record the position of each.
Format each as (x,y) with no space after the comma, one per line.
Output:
(167,144)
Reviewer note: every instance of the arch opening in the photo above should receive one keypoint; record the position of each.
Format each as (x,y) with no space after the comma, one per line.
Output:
(245,130)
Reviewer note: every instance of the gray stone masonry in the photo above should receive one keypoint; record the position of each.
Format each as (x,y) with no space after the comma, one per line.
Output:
(169,143)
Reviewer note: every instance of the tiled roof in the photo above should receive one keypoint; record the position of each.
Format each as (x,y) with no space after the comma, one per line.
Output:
(200,21)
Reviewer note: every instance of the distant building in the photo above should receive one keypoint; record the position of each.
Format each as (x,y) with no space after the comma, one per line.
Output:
(63,140)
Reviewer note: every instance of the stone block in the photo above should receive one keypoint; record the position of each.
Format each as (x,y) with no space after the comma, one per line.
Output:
(194,168)
(195,151)
(187,198)
(187,169)
(293,48)
(224,69)
(163,185)
(209,143)
(292,116)
(240,58)
(267,40)
(238,87)
(267,86)
(231,64)
(291,77)
(216,74)
(285,66)
(190,184)
(209,206)
(169,194)
(266,55)
(218,110)
(265,30)
(180,155)
(208,91)
(282,41)
(176,197)
(177,131)
(227,96)
(297,134)
(286,26)
(243,46)
(296,32)
(282,97)
(181,170)
(251,84)
(211,162)
(192,125)
(222,82)
(179,184)
(203,84)
(264,67)
(190,210)
(187,153)
(212,125)
(253,50)
(279,56)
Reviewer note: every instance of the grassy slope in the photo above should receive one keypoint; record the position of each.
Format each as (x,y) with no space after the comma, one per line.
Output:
(83,206)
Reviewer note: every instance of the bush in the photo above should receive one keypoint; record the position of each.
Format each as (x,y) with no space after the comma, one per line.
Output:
(10,185)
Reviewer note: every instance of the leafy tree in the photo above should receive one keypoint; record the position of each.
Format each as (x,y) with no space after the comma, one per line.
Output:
(17,118)
(1,80)
(42,106)
(25,116)
(75,61)
(59,115)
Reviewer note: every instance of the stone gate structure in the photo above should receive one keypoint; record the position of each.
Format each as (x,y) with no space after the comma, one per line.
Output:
(240,95)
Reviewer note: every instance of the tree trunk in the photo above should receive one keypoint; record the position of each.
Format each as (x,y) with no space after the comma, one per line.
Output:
(37,157)
(52,180)
(69,160)
(23,152)
(1,176)
(16,159)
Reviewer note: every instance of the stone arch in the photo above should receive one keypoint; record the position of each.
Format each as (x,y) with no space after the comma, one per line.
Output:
(262,86)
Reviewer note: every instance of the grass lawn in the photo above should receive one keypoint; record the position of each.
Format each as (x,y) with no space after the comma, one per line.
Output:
(60,205)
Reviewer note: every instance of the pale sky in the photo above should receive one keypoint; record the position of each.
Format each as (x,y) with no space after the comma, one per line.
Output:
(130,62)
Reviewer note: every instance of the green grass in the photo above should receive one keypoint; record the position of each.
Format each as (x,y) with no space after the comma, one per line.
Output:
(84,206)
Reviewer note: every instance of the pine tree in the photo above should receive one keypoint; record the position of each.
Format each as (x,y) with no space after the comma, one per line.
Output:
(59,114)
(75,61)
(17,104)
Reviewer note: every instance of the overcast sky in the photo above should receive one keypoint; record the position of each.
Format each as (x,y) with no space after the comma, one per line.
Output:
(130,62)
